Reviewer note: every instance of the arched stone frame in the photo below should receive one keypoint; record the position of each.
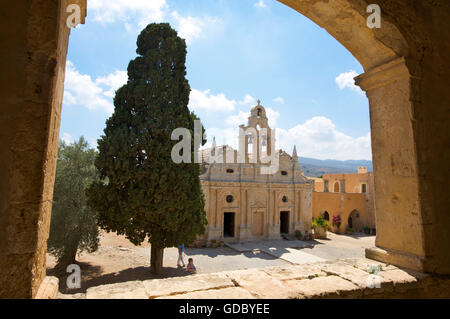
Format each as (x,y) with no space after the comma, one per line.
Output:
(409,190)
(326,215)
(394,79)
(356,217)
(336,187)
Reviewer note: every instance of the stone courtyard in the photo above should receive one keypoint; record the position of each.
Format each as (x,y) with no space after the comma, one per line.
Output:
(118,263)
(346,278)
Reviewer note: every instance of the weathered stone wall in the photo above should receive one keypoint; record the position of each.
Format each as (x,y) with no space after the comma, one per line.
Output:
(406,80)
(353,182)
(337,204)
(34,48)
(426,27)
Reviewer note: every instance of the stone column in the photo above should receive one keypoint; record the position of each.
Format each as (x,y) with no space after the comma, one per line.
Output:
(34,47)
(325,185)
(400,237)
(244,230)
(342,186)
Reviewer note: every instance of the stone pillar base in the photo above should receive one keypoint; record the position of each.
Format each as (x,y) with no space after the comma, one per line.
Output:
(48,289)
(245,233)
(273,232)
(396,258)
(214,234)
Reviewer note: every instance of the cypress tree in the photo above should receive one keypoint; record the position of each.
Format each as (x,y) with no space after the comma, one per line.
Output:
(143,193)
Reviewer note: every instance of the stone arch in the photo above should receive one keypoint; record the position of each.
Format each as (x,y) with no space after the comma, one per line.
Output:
(336,187)
(346,21)
(354,220)
(405,62)
(396,83)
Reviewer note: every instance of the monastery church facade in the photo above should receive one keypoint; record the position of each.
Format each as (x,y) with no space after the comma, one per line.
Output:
(242,201)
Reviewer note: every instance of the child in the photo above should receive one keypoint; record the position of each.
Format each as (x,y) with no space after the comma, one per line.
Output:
(190,267)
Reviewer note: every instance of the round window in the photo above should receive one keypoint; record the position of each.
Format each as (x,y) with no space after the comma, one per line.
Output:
(285,199)
(230,199)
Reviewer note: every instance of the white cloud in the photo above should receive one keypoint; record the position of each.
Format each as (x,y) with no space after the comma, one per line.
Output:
(137,14)
(238,119)
(316,138)
(141,11)
(67,138)
(114,81)
(260,4)
(279,100)
(248,100)
(272,115)
(204,100)
(189,28)
(224,136)
(80,89)
(346,80)
(319,138)
(192,28)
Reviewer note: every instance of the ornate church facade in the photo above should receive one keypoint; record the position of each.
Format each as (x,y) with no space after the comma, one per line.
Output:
(254,193)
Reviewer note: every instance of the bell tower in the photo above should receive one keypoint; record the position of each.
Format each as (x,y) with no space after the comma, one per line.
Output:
(255,139)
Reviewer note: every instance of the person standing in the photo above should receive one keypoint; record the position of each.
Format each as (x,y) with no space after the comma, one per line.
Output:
(180,255)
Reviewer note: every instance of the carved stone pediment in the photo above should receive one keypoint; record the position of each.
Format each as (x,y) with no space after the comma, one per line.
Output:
(258,199)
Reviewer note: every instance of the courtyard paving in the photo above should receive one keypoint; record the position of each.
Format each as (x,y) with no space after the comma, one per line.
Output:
(117,260)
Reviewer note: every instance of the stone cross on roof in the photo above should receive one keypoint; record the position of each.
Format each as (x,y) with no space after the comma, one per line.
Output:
(259,102)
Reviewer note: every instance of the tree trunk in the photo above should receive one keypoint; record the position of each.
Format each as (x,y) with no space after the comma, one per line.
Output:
(156,259)
(68,258)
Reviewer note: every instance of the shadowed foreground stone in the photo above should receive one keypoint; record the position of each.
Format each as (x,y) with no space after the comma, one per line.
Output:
(347,278)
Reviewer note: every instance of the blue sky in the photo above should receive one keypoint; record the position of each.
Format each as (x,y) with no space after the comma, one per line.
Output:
(238,51)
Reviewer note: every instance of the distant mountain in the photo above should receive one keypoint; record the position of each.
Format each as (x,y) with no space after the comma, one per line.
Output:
(315,168)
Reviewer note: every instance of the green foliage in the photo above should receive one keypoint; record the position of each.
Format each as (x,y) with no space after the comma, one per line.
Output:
(298,235)
(143,193)
(73,224)
(320,222)
(349,230)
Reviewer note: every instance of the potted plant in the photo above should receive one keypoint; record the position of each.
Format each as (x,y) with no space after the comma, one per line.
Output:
(320,226)
(298,235)
(367,230)
(336,223)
